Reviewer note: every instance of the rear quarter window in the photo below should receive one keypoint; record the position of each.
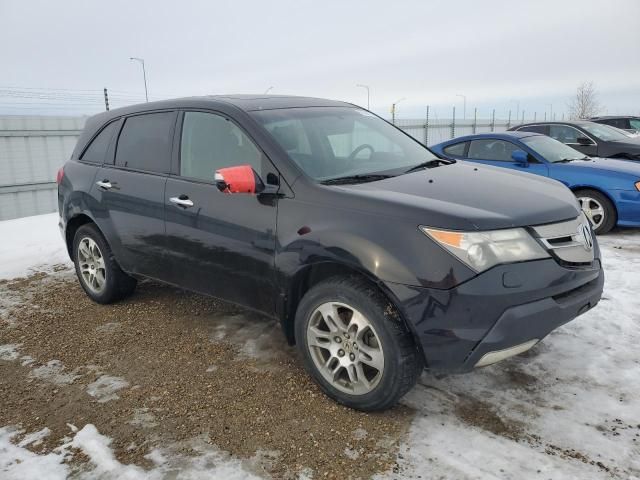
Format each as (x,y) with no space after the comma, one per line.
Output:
(456,150)
(145,142)
(97,149)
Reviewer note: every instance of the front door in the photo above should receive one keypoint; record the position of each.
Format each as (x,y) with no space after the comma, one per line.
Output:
(220,244)
(497,152)
(574,138)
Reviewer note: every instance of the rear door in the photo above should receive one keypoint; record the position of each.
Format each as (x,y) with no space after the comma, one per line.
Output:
(130,190)
(498,152)
(220,244)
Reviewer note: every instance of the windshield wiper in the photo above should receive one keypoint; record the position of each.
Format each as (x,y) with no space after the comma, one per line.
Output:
(350,179)
(436,162)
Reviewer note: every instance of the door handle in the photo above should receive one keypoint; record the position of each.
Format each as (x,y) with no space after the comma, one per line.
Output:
(181,201)
(104,184)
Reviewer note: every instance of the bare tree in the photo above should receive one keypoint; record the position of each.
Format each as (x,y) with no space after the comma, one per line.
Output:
(585,102)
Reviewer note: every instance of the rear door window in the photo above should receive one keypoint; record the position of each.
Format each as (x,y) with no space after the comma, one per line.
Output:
(145,142)
(97,149)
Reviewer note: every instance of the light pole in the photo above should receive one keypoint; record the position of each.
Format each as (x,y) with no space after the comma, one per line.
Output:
(550,111)
(268,90)
(144,74)
(464,105)
(393,110)
(367,87)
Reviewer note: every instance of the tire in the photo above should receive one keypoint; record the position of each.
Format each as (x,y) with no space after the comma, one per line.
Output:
(374,335)
(594,201)
(105,282)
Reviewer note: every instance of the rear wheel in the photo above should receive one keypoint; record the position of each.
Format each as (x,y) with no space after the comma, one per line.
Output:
(355,345)
(598,209)
(99,274)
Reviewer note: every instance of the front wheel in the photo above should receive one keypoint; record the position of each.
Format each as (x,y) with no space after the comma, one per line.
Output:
(355,345)
(598,209)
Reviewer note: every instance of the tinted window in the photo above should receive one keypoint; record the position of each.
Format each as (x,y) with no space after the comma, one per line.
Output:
(604,132)
(565,133)
(145,142)
(456,150)
(210,142)
(98,147)
(491,150)
(535,128)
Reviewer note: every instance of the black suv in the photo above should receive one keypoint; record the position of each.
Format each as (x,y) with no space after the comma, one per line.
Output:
(377,257)
(628,123)
(592,139)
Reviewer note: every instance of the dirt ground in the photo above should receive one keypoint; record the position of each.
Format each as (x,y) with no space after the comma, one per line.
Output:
(167,366)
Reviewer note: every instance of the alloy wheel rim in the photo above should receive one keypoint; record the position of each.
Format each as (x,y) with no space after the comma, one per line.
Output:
(91,263)
(345,348)
(593,209)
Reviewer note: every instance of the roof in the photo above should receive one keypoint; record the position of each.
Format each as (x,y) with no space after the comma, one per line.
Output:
(545,122)
(243,102)
(499,135)
(603,117)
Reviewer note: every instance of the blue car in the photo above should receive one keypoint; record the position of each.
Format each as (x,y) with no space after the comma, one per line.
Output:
(608,189)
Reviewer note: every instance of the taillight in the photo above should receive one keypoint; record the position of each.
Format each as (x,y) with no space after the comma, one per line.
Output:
(60,175)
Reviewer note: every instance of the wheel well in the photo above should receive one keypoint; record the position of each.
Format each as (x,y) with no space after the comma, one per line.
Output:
(72,227)
(601,192)
(305,279)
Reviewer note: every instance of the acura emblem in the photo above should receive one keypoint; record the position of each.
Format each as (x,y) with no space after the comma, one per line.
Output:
(584,236)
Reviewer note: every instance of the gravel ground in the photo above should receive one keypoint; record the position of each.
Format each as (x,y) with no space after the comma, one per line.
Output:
(167,366)
(171,377)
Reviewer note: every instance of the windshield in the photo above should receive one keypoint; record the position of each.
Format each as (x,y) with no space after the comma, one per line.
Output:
(604,132)
(551,150)
(333,142)
(635,123)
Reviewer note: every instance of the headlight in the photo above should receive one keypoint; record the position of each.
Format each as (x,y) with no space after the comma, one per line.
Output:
(483,250)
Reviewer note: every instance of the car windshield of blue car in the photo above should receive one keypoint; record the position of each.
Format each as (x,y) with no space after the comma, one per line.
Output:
(604,132)
(343,143)
(552,150)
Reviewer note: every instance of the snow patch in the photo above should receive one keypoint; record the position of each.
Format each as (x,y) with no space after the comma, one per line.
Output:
(23,252)
(18,463)
(53,372)
(34,438)
(9,351)
(105,387)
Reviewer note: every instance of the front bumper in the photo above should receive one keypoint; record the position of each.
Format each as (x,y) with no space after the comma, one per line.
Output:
(505,307)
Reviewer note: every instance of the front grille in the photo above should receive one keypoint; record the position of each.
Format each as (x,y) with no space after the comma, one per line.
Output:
(570,243)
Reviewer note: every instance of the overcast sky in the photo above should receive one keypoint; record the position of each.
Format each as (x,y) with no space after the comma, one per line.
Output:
(496,53)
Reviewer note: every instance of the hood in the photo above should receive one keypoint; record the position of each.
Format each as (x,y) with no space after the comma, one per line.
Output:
(632,143)
(464,196)
(631,167)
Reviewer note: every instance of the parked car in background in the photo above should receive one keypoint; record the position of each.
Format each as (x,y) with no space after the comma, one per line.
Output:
(593,139)
(628,123)
(608,190)
(377,257)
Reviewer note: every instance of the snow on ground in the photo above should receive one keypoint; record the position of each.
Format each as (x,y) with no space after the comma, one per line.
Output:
(569,408)
(19,463)
(30,243)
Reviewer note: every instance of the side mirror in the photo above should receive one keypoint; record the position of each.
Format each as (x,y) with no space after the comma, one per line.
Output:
(519,156)
(239,179)
(584,141)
